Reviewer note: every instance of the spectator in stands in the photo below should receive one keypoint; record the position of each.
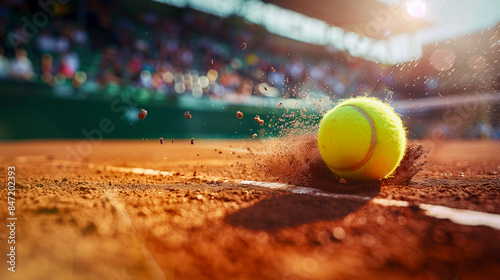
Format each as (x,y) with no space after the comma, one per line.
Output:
(69,64)
(45,42)
(79,36)
(21,67)
(4,64)
(162,54)
(47,69)
(17,37)
(62,44)
(186,57)
(135,64)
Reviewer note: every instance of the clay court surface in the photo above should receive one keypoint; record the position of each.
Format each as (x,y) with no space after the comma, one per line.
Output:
(141,210)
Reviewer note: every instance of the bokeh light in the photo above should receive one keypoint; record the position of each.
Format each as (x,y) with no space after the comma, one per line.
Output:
(416,8)
(443,59)
(80,77)
(431,83)
(204,81)
(212,75)
(168,77)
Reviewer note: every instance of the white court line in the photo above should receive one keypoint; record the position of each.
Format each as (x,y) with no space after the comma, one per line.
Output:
(390,202)
(268,185)
(303,190)
(153,266)
(462,216)
(135,170)
(458,216)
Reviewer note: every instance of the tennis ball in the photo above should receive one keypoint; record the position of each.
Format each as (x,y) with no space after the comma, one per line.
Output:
(362,139)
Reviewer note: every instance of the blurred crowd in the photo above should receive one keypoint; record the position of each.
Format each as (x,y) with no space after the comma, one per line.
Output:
(181,52)
(158,50)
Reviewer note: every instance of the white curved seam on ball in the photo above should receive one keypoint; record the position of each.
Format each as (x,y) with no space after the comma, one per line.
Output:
(372,144)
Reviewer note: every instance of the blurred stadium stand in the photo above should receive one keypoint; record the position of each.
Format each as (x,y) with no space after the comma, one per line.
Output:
(460,79)
(354,15)
(169,60)
(169,51)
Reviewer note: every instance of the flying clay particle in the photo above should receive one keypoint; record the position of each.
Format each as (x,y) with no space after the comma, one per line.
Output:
(142,114)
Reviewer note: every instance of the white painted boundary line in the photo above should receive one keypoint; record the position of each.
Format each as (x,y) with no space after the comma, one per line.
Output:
(268,185)
(461,216)
(458,216)
(153,266)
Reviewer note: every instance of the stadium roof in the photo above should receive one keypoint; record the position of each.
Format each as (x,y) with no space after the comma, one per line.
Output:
(387,31)
(366,17)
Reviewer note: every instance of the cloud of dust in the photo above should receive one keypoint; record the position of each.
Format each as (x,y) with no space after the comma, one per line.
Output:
(295,159)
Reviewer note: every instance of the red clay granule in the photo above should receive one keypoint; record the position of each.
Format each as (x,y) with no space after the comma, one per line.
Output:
(161,140)
(142,114)
(239,114)
(192,141)
(272,69)
(259,120)
(187,115)
(243,46)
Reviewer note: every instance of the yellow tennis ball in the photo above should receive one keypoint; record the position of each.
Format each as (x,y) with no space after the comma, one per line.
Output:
(362,139)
